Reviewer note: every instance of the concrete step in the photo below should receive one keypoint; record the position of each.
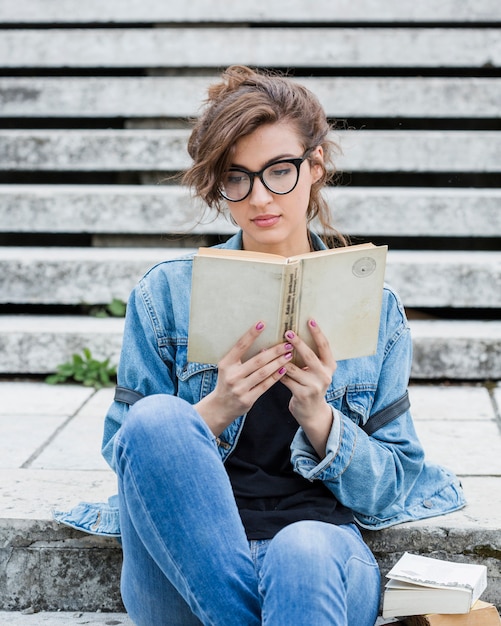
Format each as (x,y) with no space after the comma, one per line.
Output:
(75,275)
(97,275)
(323,11)
(50,460)
(63,618)
(165,150)
(368,97)
(34,344)
(194,47)
(145,209)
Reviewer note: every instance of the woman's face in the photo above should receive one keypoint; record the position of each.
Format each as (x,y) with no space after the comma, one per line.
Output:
(270,222)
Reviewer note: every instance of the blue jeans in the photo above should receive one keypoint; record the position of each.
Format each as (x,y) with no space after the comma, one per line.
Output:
(187,560)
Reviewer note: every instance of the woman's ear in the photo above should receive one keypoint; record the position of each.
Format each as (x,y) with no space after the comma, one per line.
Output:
(317,163)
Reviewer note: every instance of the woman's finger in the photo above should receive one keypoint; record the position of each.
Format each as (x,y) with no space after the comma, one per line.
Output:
(236,353)
(322,343)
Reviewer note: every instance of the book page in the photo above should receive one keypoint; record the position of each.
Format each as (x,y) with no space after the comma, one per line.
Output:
(399,585)
(343,293)
(228,297)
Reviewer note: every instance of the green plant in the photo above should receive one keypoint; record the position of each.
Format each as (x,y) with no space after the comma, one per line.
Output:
(86,370)
(116,308)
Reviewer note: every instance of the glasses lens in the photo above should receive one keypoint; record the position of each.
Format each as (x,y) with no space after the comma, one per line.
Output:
(235,185)
(281,177)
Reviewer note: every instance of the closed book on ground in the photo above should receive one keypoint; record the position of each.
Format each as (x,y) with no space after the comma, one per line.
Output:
(481,614)
(421,585)
(340,288)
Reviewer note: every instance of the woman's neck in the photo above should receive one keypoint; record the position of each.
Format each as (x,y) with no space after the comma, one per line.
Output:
(284,248)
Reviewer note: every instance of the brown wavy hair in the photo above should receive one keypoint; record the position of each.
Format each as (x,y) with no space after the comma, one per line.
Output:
(244,100)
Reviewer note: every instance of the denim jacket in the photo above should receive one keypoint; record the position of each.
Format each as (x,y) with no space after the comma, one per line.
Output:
(374,463)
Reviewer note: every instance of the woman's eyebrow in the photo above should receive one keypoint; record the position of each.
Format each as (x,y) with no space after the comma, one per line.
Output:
(279,157)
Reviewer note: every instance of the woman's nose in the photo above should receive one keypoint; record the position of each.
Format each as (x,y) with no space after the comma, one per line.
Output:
(260,195)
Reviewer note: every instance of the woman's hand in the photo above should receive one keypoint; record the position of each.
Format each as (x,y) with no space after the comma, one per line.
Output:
(309,385)
(239,383)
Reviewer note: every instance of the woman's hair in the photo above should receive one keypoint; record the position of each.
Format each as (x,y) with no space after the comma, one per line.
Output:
(243,101)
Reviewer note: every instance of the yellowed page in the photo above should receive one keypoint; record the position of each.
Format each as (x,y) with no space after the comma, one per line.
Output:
(229,296)
(343,293)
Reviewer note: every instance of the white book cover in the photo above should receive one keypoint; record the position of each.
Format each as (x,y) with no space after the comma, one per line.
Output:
(429,572)
(420,585)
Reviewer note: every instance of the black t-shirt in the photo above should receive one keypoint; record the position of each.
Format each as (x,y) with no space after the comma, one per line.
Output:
(269,494)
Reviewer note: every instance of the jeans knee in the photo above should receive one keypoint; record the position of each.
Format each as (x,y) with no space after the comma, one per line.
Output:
(162,422)
(300,543)
(155,414)
(317,545)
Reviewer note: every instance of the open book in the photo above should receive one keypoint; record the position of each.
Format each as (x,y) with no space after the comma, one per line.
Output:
(420,585)
(340,288)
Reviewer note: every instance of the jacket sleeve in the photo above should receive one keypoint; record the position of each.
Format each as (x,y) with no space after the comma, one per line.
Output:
(372,474)
(144,368)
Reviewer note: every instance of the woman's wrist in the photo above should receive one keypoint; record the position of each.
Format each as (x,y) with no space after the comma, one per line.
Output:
(212,413)
(318,428)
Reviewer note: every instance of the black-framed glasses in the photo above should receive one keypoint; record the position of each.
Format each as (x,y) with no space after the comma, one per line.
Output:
(279,177)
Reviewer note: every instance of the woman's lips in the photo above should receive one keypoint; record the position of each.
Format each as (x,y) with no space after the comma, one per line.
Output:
(265,221)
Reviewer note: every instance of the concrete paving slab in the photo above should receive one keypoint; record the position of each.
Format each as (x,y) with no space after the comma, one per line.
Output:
(22,435)
(432,402)
(466,447)
(33,398)
(497,401)
(76,447)
(98,404)
(32,494)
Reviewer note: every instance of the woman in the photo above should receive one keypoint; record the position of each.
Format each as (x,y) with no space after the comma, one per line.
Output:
(240,486)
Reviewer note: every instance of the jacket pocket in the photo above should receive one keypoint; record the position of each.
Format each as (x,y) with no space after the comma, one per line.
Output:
(354,401)
(195,380)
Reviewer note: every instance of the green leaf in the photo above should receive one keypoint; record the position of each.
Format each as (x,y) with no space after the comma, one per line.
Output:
(85,370)
(66,369)
(104,377)
(116,308)
(54,379)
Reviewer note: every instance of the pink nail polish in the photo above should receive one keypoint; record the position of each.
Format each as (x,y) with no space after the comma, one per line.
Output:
(289,334)
(288,355)
(259,326)
(282,371)
(288,347)
(313,323)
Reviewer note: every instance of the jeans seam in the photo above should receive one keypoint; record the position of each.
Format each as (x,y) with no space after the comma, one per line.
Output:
(153,527)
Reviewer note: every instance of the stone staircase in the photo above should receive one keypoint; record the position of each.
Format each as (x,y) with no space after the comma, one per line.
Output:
(94,103)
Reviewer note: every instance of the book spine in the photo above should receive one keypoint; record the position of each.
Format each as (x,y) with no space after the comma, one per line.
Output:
(290,301)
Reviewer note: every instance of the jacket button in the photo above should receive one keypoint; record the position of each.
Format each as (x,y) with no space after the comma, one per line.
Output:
(428,504)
